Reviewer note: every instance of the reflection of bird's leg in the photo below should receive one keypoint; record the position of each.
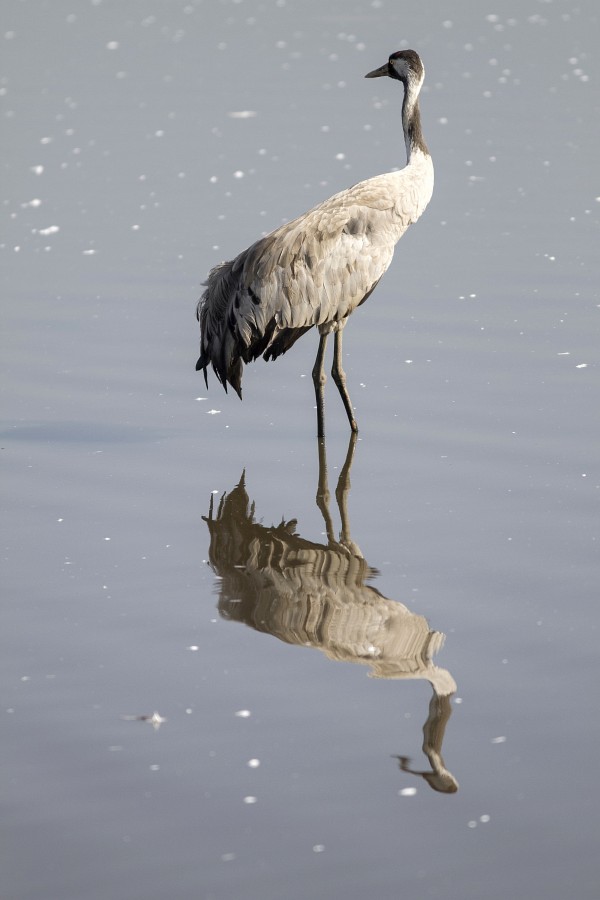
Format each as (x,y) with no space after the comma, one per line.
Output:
(319,378)
(323,491)
(341,495)
(339,376)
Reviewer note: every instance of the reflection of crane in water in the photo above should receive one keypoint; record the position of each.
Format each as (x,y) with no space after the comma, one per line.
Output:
(316,595)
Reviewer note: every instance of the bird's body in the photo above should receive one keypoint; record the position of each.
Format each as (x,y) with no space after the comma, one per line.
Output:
(315,270)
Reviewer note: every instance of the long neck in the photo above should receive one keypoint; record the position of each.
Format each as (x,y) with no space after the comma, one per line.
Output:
(411,122)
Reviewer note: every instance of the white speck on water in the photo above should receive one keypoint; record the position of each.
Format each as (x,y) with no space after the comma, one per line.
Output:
(51,229)
(154,767)
(89,252)
(253,763)
(156,720)
(484,818)
(319,848)
(250,800)
(472,824)
(213,412)
(112,45)
(37,170)
(582,366)
(501,739)
(194,648)
(340,156)
(238,174)
(32,203)
(243,713)
(227,857)
(242,114)
(407,792)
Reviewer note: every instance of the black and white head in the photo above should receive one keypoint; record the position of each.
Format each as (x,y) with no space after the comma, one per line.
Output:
(405,66)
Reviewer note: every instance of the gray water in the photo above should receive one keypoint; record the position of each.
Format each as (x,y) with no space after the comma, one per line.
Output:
(143,143)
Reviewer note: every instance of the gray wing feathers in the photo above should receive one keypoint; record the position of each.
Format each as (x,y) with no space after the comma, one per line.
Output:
(312,271)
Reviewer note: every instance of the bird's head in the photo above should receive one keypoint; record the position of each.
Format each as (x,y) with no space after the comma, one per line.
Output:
(405,65)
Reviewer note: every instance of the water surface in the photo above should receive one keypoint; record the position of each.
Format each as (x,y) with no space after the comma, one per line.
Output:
(459,561)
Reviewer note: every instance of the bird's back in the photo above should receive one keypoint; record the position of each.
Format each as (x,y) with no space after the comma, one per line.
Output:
(312,271)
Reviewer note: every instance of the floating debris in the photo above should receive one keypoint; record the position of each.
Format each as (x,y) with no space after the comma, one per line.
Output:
(156,720)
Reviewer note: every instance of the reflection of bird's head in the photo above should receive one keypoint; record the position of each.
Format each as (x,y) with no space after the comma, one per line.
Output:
(443,782)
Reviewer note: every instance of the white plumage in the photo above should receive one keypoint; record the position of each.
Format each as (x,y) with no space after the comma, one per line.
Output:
(315,270)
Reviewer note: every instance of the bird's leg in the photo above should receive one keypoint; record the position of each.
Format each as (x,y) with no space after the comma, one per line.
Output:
(319,378)
(339,376)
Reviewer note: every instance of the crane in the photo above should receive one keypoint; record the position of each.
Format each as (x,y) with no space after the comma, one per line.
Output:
(315,270)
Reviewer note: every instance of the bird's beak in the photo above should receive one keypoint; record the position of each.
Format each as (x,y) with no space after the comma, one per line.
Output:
(377,73)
